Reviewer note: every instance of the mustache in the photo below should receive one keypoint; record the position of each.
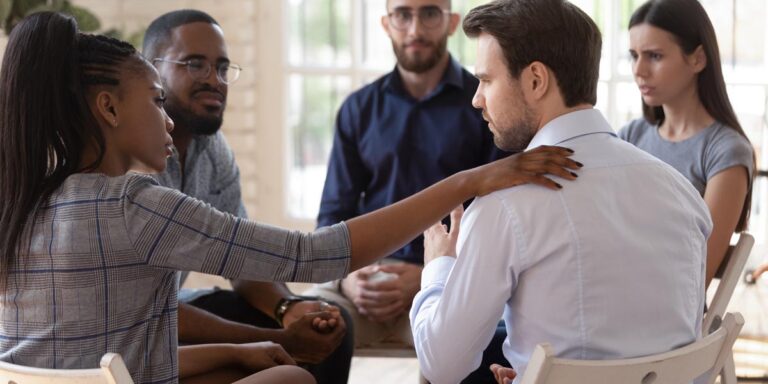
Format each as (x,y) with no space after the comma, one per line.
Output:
(208,88)
(418,41)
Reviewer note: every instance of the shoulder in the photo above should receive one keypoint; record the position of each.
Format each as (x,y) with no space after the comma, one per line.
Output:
(726,138)
(367,92)
(724,147)
(635,130)
(219,151)
(132,182)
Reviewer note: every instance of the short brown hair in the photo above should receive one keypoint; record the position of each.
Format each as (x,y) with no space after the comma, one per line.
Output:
(553,32)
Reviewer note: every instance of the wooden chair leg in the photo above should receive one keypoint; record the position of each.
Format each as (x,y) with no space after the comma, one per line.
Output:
(728,374)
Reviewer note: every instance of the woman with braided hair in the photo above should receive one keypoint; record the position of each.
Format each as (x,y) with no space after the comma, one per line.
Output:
(90,248)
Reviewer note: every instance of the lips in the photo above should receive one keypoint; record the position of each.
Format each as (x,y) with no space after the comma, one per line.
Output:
(210,98)
(418,44)
(645,89)
(169,149)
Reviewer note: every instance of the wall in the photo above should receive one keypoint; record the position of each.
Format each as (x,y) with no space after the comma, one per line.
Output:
(253,121)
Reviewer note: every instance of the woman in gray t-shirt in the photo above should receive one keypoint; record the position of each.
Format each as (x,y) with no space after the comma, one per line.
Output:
(688,120)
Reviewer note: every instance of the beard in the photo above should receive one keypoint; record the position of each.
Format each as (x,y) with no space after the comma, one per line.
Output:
(518,134)
(184,117)
(416,63)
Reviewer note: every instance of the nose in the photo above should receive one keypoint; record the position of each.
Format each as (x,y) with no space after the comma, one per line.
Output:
(169,125)
(414,29)
(640,67)
(212,78)
(478,101)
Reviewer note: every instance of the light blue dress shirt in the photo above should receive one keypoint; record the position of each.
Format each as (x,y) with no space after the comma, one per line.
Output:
(611,266)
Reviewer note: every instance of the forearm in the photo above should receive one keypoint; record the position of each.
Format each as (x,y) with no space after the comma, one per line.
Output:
(199,326)
(198,359)
(380,233)
(442,357)
(263,296)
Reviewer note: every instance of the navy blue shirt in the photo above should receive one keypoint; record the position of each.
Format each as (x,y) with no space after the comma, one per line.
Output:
(389,145)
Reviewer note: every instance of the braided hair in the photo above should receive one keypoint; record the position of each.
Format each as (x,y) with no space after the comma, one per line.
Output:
(45,121)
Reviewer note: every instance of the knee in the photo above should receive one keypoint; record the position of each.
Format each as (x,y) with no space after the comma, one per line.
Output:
(293,374)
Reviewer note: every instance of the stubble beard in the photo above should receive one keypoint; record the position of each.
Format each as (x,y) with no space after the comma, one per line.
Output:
(416,63)
(193,123)
(519,134)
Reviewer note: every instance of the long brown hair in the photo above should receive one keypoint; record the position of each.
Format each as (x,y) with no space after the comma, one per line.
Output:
(688,22)
(45,121)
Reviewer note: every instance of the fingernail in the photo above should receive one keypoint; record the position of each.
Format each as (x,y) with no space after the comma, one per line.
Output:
(569,150)
(574,174)
(559,186)
(579,164)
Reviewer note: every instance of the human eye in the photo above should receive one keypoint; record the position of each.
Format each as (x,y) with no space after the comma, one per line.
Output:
(633,55)
(403,15)
(655,56)
(196,64)
(430,12)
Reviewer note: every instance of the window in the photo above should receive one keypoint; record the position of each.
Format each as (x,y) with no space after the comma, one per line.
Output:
(335,46)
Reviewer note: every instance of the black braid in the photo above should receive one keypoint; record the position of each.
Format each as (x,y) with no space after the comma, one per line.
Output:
(99,58)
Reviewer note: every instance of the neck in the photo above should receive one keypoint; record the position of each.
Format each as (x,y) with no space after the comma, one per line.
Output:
(181,140)
(419,85)
(684,117)
(549,114)
(110,165)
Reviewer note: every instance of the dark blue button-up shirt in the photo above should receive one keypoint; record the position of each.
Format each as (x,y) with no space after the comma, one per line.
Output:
(388,146)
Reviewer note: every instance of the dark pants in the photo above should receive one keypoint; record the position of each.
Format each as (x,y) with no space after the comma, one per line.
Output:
(229,305)
(492,354)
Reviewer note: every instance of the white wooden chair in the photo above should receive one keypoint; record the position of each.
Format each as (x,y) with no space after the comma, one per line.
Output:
(702,359)
(729,275)
(112,371)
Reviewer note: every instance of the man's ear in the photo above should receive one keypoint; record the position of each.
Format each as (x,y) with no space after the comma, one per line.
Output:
(453,22)
(385,24)
(539,79)
(106,108)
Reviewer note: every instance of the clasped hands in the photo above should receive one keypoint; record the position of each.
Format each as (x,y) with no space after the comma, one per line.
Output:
(313,330)
(382,299)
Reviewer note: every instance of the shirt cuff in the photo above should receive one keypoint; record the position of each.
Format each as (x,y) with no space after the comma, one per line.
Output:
(437,271)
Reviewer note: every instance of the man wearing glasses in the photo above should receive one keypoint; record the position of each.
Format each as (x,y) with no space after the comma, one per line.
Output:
(187,47)
(394,137)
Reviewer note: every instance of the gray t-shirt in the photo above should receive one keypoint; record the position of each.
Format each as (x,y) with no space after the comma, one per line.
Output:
(699,157)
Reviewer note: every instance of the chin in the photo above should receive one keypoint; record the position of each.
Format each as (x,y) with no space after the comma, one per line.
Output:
(652,101)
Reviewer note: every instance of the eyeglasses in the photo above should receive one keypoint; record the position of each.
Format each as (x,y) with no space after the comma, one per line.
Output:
(200,69)
(429,16)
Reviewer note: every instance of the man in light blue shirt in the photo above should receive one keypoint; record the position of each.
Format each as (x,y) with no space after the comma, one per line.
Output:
(611,266)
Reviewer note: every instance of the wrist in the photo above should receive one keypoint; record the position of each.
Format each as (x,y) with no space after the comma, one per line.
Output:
(340,286)
(465,184)
(282,307)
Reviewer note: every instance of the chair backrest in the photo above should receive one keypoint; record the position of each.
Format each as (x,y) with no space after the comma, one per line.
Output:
(680,366)
(112,371)
(731,269)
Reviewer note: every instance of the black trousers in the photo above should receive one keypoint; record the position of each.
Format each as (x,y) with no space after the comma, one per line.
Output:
(229,305)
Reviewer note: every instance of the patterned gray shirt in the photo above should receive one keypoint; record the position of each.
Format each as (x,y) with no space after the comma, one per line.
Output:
(99,274)
(210,174)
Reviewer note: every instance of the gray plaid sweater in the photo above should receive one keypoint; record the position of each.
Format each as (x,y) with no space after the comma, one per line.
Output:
(100,272)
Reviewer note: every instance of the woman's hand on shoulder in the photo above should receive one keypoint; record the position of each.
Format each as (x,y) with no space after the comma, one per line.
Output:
(529,167)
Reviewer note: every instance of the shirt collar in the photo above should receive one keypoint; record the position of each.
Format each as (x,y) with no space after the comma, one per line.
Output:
(570,126)
(452,76)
